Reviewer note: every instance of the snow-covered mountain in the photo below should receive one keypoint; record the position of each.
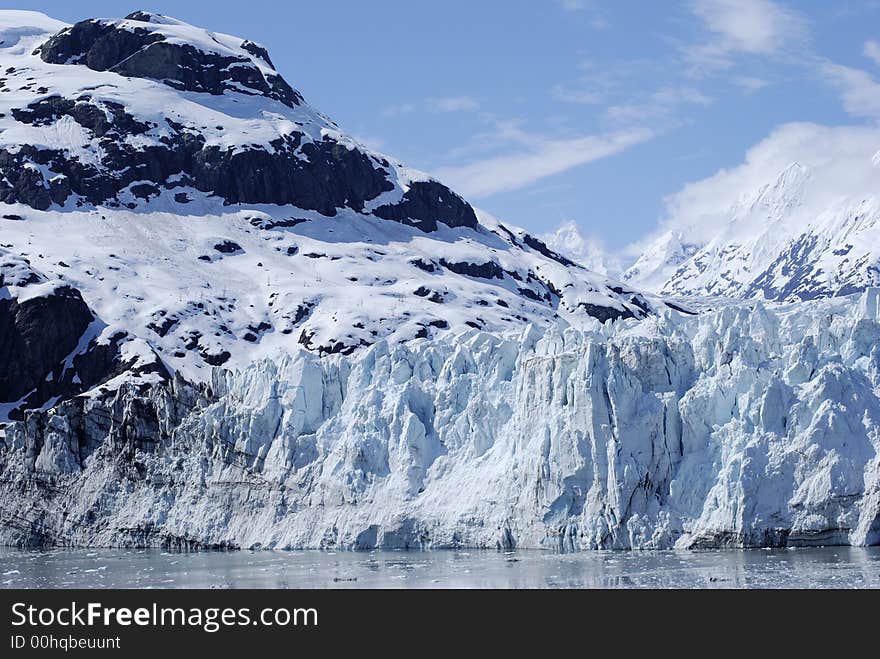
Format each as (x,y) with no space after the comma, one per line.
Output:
(812,229)
(197,203)
(226,323)
(569,241)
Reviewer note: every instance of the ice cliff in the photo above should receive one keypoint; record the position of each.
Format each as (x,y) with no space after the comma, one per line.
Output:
(749,425)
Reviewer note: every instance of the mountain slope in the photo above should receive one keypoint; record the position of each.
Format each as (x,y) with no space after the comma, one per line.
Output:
(198,202)
(812,230)
(52,346)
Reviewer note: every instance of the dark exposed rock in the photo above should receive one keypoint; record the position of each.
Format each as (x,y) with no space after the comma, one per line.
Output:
(257,51)
(331,176)
(423,265)
(228,247)
(163,324)
(144,190)
(36,335)
(216,358)
(541,248)
(680,309)
(604,314)
(322,175)
(530,294)
(488,270)
(39,336)
(429,202)
(268,223)
(142,53)
(106,118)
(98,363)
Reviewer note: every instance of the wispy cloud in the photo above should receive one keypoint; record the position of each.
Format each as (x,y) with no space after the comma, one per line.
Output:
(578,96)
(750,84)
(452,104)
(545,157)
(872,51)
(574,5)
(398,110)
(434,104)
(597,21)
(661,105)
(736,27)
(859,91)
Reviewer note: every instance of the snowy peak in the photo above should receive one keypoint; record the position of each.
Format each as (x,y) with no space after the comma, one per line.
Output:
(568,240)
(147,45)
(125,112)
(667,253)
(809,231)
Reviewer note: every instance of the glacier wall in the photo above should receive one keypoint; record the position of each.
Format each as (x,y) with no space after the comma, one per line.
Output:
(744,426)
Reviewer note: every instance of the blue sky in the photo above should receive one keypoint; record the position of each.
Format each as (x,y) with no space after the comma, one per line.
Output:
(542,111)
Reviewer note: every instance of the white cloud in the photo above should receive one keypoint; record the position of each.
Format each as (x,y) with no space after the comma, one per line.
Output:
(452,104)
(569,240)
(749,84)
(577,96)
(573,5)
(597,22)
(753,27)
(662,104)
(434,104)
(872,51)
(859,92)
(398,110)
(545,157)
(839,160)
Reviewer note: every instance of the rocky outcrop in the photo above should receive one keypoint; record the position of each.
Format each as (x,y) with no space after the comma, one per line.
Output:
(429,202)
(51,345)
(40,324)
(37,334)
(132,47)
(128,155)
(320,176)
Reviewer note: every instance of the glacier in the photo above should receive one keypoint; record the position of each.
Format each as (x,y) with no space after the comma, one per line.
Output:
(752,424)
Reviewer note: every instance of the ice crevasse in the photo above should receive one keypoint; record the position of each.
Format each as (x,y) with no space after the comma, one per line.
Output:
(750,425)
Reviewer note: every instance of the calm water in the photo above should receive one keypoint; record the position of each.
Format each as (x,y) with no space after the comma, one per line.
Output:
(838,567)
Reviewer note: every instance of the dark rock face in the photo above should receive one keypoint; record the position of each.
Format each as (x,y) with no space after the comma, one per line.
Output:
(541,248)
(487,270)
(332,176)
(604,314)
(228,247)
(426,203)
(323,175)
(141,53)
(36,335)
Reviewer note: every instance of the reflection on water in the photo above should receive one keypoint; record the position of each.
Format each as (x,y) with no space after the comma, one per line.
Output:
(832,567)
